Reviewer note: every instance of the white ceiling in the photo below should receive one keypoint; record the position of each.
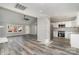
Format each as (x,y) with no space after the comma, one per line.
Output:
(57,11)
(50,9)
(54,9)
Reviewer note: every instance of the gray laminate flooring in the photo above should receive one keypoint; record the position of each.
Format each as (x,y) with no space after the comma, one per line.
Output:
(20,45)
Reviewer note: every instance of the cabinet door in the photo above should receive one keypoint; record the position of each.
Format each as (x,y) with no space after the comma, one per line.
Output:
(74,40)
(27,29)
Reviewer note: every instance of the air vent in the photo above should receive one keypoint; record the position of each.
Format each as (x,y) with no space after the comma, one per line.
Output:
(19,6)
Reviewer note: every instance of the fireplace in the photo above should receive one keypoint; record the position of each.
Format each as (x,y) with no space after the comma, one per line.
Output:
(61,33)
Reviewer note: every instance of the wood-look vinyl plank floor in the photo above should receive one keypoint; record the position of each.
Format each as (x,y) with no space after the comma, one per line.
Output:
(50,50)
(35,48)
(32,47)
(68,49)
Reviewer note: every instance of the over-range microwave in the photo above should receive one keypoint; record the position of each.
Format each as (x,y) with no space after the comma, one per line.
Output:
(61,25)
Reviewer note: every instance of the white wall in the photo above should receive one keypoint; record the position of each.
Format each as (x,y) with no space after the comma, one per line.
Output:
(11,6)
(8,17)
(43,29)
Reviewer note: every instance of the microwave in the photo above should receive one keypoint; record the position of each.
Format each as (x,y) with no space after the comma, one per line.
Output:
(61,25)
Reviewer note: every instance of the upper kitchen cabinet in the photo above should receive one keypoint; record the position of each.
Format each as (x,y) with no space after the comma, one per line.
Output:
(65,23)
(77,20)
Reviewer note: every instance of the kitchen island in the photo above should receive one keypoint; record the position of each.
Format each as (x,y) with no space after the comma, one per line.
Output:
(74,40)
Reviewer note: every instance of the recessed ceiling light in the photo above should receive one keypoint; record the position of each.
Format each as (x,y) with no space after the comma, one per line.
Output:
(41,11)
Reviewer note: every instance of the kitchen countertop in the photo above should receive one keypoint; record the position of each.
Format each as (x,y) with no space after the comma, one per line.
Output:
(3,40)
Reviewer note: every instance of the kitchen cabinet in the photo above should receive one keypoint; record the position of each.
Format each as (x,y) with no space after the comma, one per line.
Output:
(74,40)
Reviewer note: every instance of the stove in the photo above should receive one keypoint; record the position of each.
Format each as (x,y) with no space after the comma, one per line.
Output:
(61,33)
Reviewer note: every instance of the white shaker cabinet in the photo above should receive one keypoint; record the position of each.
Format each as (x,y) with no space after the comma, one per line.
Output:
(27,29)
(74,40)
